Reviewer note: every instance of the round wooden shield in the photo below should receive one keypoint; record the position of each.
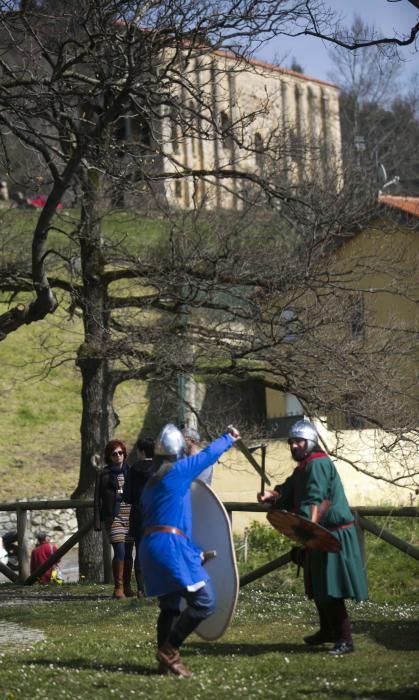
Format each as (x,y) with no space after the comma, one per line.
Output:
(303,531)
(211,531)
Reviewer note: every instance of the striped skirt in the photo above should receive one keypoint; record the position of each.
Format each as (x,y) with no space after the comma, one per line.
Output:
(120,525)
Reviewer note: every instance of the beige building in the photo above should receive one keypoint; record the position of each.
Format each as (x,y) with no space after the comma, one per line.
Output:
(252,118)
(374,471)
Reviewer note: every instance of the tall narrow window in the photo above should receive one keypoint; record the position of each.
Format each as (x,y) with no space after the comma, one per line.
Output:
(357,318)
(226,135)
(324,115)
(178,189)
(174,132)
(259,151)
(298,142)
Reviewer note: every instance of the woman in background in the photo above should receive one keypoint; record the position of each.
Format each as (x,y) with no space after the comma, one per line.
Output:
(114,513)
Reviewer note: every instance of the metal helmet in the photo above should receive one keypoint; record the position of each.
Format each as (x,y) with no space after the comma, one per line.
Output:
(170,443)
(304,430)
(192,434)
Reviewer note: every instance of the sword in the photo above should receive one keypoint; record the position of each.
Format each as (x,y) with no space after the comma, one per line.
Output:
(245,450)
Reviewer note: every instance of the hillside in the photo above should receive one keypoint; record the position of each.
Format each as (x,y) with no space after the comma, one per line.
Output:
(40,384)
(41,410)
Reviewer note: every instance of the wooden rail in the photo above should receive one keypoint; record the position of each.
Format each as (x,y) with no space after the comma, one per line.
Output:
(21,508)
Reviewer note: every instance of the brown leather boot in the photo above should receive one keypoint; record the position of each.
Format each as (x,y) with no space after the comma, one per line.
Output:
(128,592)
(170,661)
(118,577)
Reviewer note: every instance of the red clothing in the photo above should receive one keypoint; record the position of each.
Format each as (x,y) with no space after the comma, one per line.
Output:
(39,555)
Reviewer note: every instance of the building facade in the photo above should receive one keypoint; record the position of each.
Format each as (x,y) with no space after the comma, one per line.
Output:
(246,118)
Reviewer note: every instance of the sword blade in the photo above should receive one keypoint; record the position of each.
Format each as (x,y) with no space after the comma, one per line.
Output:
(245,450)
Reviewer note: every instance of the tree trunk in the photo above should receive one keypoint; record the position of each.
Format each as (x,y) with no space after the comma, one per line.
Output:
(98,418)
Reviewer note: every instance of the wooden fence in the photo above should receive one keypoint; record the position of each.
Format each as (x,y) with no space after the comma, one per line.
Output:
(26,577)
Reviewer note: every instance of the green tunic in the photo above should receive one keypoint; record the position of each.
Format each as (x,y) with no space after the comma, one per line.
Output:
(338,575)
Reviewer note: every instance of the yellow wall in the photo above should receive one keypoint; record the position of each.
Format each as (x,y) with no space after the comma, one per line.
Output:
(386,258)
(236,480)
(376,257)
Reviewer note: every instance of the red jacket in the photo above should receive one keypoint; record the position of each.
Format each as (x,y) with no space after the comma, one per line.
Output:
(39,555)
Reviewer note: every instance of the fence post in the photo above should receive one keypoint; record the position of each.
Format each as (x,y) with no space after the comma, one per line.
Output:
(245,544)
(22,549)
(361,537)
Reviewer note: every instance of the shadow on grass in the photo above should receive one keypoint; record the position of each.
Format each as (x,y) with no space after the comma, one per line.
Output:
(34,595)
(400,635)
(228,649)
(85,665)
(362,694)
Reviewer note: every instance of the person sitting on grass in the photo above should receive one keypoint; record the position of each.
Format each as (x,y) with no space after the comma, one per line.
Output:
(40,553)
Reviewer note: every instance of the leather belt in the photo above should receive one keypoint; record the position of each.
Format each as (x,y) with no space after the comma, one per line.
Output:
(341,527)
(164,528)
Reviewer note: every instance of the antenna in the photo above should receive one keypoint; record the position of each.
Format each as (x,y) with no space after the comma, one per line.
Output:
(384,176)
(393,181)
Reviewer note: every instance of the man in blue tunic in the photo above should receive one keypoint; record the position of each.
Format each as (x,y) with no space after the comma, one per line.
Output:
(315,491)
(170,560)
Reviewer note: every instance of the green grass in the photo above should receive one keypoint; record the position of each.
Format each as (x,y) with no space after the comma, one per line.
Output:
(40,385)
(98,647)
(392,575)
(40,420)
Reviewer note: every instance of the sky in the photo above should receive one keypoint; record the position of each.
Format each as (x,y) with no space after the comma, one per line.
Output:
(312,54)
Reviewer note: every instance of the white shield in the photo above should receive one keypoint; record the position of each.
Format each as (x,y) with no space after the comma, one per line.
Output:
(211,531)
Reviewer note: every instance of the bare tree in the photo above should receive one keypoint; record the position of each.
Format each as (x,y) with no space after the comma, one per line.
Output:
(379,123)
(199,302)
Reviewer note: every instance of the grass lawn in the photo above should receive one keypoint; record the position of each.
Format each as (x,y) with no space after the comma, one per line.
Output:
(40,386)
(98,647)
(92,646)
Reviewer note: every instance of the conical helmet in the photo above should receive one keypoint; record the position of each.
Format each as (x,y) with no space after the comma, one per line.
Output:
(304,430)
(170,443)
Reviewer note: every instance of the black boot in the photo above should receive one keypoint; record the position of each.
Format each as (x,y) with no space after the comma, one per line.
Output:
(165,622)
(343,628)
(129,593)
(140,583)
(185,624)
(326,632)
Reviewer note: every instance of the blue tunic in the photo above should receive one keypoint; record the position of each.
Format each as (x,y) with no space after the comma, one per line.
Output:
(170,562)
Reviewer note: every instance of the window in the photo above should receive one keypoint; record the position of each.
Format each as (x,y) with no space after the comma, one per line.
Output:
(259,151)
(348,417)
(238,402)
(122,129)
(174,132)
(288,325)
(357,317)
(324,117)
(226,135)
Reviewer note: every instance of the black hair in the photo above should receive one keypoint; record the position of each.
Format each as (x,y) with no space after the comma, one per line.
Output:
(146,445)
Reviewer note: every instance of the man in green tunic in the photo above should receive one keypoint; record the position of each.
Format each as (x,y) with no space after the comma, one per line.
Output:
(315,491)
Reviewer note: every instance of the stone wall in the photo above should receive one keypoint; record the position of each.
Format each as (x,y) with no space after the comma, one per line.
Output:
(59,525)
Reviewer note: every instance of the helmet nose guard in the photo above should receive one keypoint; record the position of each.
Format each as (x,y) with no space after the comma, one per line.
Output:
(170,443)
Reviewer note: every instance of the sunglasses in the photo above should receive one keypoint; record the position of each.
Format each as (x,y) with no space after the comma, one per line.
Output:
(117,453)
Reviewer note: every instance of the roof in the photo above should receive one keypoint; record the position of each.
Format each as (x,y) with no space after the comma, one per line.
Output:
(274,68)
(408,205)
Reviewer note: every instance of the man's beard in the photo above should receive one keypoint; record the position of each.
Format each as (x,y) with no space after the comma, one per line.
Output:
(298,453)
